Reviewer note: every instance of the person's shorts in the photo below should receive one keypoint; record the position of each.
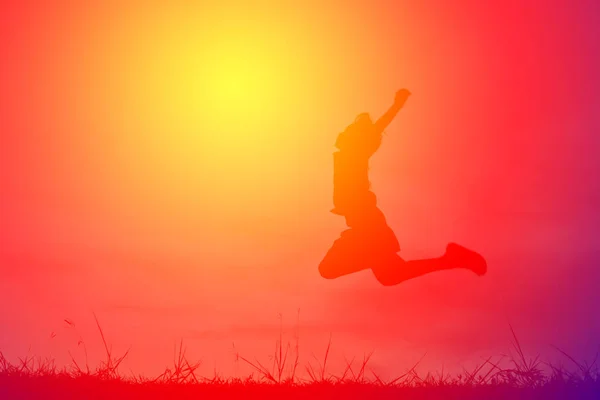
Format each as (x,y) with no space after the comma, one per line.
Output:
(360,248)
(369,227)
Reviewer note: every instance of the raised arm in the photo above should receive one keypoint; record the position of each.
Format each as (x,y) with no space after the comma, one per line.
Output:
(386,119)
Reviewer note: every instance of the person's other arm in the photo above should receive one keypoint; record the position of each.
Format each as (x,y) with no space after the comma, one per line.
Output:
(390,114)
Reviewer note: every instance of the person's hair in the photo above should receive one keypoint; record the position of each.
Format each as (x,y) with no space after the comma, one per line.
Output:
(363,117)
(357,133)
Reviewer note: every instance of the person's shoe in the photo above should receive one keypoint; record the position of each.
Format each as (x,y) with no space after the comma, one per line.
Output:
(461,257)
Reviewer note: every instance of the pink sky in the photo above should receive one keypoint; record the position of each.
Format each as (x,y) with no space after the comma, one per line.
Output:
(125,194)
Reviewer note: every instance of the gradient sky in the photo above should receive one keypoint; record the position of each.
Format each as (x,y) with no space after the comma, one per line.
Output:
(167,165)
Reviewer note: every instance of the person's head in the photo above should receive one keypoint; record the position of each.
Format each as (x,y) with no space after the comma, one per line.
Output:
(362,123)
(363,119)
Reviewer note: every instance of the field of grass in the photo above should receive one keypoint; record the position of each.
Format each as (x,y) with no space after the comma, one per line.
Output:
(512,376)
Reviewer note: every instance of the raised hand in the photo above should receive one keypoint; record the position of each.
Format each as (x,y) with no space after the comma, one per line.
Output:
(401,96)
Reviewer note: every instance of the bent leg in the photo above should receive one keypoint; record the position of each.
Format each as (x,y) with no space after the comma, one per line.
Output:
(357,248)
(346,256)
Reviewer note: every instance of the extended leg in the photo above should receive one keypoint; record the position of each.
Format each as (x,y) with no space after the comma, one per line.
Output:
(391,269)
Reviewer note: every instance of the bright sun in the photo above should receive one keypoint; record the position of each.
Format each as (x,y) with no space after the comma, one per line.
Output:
(218,97)
(242,80)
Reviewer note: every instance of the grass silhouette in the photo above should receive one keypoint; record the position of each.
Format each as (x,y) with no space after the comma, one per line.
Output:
(509,376)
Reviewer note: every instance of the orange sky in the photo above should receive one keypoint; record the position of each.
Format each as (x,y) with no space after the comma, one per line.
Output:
(168,166)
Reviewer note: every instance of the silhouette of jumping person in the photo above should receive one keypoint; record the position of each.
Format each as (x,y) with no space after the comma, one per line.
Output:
(370,243)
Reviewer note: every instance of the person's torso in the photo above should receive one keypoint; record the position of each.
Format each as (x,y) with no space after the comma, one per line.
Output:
(351,168)
(350,173)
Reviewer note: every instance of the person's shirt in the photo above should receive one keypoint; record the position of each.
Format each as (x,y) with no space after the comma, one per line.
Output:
(351,167)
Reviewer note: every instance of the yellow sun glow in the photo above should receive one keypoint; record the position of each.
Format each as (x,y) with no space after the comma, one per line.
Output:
(214,105)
